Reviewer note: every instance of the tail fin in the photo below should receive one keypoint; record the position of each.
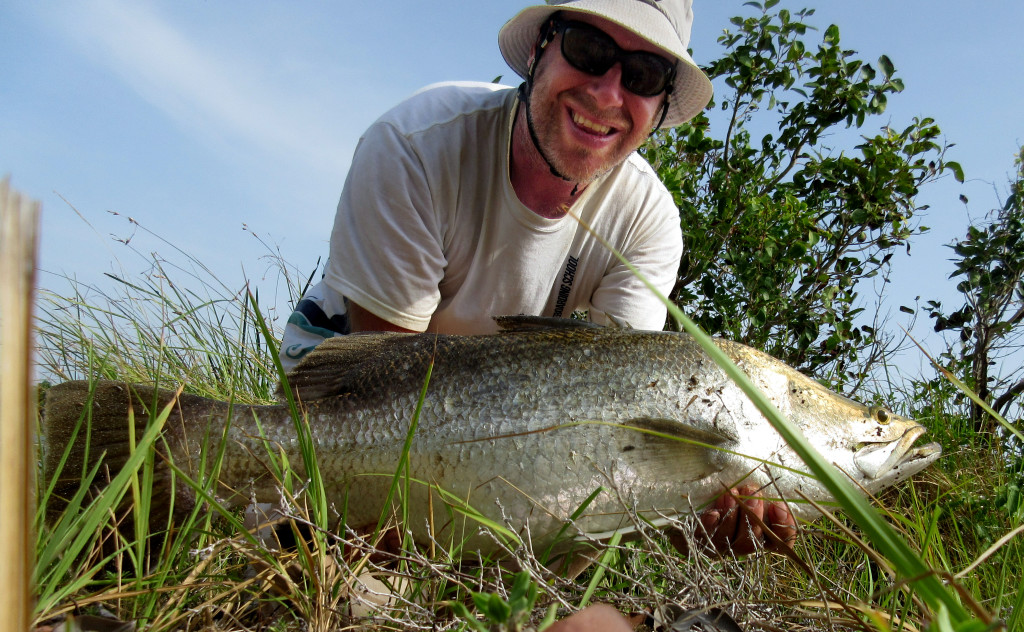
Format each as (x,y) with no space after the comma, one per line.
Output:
(87,423)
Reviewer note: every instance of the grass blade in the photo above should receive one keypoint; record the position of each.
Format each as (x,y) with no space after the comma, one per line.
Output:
(82,529)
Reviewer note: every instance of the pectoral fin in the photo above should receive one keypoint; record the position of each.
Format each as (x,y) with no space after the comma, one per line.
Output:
(670,450)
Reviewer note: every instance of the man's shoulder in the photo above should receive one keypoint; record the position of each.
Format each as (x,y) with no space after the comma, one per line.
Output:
(637,178)
(471,91)
(441,103)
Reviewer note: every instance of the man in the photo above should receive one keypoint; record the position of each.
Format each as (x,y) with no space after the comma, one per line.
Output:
(473,200)
(457,205)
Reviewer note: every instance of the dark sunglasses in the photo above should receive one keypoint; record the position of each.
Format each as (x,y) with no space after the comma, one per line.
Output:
(591,50)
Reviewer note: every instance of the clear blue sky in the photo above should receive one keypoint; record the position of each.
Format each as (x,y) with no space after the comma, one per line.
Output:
(196,117)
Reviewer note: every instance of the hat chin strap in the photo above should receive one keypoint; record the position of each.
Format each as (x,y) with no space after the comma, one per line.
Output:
(524,97)
(664,109)
(525,90)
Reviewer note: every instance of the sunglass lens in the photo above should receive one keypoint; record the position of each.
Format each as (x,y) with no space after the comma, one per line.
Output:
(588,50)
(646,76)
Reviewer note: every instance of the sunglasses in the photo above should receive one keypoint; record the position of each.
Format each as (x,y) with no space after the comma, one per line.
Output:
(591,50)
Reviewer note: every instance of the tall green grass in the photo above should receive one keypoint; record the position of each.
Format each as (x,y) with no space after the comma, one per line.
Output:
(896,563)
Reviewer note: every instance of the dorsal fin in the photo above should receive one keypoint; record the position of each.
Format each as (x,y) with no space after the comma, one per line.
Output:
(523,322)
(327,369)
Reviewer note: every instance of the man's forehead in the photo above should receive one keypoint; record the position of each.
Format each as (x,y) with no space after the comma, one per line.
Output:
(626,39)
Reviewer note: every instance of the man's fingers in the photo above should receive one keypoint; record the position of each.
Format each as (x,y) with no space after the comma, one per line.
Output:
(740,519)
(711,519)
(782,523)
(723,531)
(734,531)
(748,532)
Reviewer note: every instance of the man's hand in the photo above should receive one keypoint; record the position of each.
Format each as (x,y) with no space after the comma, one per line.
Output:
(731,529)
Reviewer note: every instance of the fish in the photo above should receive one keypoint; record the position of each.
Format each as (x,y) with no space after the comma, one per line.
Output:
(552,429)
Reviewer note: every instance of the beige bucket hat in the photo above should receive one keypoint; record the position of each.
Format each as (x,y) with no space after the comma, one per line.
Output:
(664,23)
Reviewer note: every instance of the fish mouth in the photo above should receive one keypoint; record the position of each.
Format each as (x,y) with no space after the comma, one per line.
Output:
(893,461)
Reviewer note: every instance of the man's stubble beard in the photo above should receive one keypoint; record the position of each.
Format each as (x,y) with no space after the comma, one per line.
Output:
(573,162)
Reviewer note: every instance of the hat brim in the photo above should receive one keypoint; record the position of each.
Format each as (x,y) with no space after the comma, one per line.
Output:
(692,90)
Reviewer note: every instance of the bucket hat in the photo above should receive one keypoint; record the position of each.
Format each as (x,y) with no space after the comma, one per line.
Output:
(664,23)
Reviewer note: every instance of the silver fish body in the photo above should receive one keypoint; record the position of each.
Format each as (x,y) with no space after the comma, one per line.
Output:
(523,426)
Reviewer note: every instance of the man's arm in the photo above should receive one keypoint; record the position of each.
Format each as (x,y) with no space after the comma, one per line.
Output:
(653,245)
(364,320)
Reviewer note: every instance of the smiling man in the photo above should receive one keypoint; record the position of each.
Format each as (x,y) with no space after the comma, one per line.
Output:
(462,202)
(472,200)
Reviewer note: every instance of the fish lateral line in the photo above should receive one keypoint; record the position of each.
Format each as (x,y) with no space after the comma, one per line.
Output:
(641,430)
(613,424)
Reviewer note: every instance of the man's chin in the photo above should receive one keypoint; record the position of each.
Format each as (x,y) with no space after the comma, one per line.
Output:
(585,175)
(583,166)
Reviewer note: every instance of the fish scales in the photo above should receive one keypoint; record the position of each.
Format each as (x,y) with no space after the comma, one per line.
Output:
(525,424)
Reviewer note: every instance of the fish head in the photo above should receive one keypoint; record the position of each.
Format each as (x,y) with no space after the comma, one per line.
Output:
(887,453)
(873,446)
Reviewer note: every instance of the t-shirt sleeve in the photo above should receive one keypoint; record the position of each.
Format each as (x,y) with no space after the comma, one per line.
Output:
(320,314)
(386,246)
(622,297)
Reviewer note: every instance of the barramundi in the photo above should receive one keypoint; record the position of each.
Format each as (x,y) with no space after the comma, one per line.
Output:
(519,427)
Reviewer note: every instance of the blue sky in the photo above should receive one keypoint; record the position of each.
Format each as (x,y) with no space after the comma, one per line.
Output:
(198,117)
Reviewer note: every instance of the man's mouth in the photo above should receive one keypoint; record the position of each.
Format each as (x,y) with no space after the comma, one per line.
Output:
(589,125)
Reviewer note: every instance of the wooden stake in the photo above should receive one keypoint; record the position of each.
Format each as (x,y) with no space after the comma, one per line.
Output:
(18,244)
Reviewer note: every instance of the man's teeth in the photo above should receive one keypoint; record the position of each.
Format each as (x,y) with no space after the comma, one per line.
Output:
(591,125)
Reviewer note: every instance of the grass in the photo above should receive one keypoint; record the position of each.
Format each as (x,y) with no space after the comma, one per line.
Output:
(216,571)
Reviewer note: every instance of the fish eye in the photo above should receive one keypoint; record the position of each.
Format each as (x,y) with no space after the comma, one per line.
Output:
(881,415)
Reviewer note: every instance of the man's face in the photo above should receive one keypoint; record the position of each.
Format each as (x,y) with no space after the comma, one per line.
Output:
(589,124)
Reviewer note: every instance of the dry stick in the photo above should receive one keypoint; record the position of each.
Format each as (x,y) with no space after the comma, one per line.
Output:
(18,242)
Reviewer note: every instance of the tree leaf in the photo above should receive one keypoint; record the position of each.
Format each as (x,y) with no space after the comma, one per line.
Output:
(885,64)
(958,171)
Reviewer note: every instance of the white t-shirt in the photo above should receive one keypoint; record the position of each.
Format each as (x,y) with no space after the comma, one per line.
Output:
(430,235)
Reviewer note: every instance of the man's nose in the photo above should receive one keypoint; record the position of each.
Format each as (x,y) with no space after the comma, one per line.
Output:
(607,88)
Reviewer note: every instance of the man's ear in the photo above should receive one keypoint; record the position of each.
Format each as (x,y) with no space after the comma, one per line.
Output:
(533,50)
